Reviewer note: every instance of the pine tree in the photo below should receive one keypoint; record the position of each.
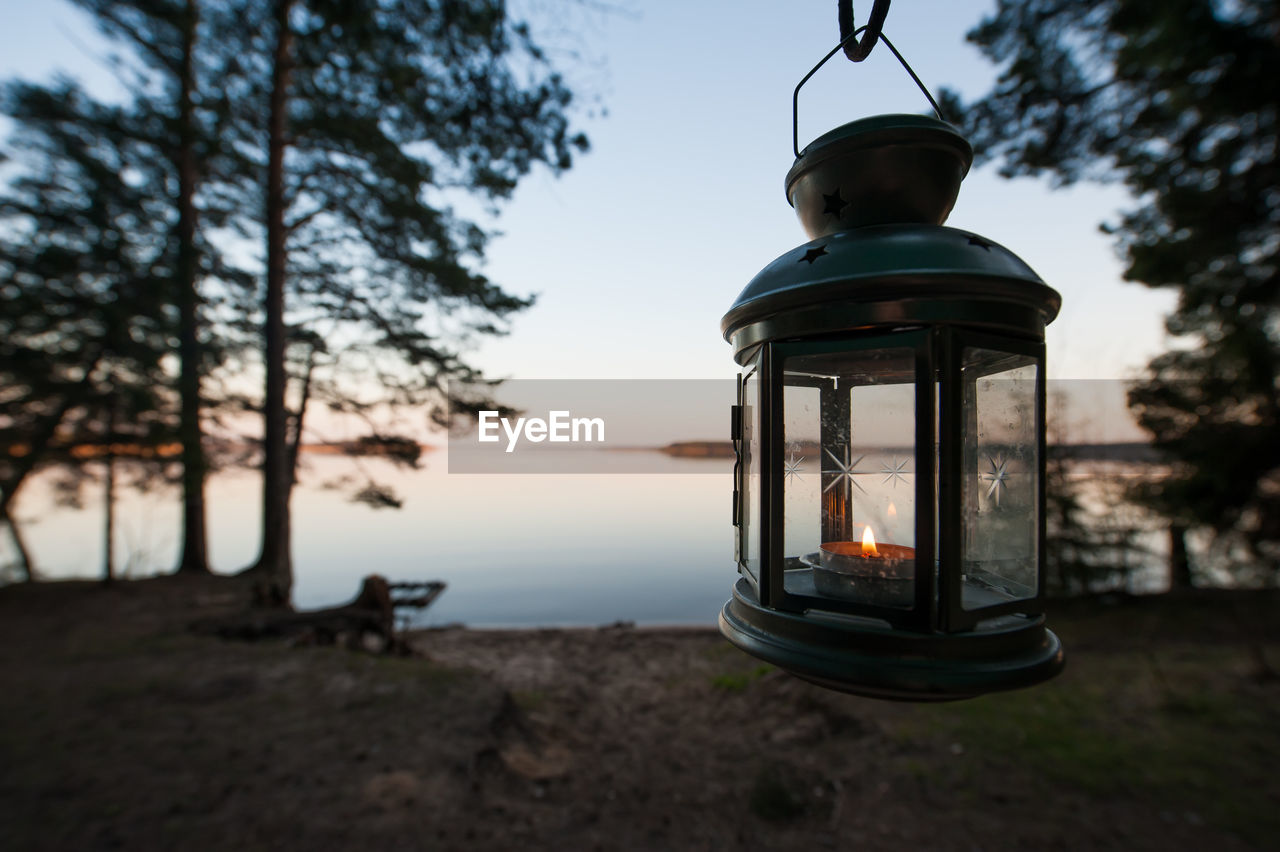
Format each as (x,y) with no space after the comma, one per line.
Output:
(375,112)
(337,133)
(178,108)
(1180,102)
(84,327)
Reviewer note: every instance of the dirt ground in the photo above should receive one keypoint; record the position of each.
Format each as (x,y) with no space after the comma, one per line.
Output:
(123,729)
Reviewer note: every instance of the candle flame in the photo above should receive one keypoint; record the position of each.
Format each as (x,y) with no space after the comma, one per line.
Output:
(893,510)
(868,543)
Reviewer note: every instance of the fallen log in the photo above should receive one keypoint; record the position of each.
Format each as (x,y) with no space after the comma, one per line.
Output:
(367,622)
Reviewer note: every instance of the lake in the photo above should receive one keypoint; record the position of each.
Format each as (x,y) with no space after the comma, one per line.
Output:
(516,550)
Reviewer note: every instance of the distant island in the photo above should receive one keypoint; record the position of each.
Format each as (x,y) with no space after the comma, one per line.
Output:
(1125,451)
(1130,451)
(402,448)
(699,449)
(368,447)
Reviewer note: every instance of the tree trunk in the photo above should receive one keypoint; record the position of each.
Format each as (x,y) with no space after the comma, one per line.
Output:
(367,622)
(38,443)
(109,527)
(275,567)
(24,555)
(1179,561)
(195,551)
(23,466)
(295,443)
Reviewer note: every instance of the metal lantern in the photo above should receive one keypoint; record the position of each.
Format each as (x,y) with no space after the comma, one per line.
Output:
(889,485)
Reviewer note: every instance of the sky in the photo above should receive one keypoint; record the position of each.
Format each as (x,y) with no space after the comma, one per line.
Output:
(639,251)
(636,253)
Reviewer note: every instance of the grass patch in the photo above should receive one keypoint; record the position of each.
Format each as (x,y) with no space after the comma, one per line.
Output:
(739,681)
(1185,733)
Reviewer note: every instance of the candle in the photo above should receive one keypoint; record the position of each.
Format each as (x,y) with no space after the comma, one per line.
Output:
(866,571)
(866,557)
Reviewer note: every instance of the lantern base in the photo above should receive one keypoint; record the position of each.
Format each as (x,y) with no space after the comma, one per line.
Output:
(865,657)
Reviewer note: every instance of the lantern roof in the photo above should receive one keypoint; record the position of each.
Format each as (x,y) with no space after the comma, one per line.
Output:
(872,195)
(894,275)
(877,170)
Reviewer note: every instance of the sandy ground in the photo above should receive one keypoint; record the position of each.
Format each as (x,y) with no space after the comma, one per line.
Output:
(125,730)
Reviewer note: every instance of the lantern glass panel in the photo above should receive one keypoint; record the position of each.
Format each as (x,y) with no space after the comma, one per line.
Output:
(1000,497)
(749,545)
(800,469)
(848,462)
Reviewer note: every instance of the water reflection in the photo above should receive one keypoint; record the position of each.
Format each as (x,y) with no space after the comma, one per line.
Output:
(515,549)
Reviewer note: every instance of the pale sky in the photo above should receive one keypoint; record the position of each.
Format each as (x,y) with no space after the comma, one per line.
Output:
(639,250)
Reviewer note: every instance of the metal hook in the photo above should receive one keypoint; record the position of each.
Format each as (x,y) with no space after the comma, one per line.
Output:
(795,96)
(860,50)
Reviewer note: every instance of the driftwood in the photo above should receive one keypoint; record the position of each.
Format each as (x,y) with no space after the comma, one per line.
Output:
(366,622)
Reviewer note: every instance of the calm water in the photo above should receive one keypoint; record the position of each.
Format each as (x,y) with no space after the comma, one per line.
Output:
(515,549)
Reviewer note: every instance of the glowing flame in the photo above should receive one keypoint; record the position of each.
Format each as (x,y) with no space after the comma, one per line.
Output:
(893,510)
(868,543)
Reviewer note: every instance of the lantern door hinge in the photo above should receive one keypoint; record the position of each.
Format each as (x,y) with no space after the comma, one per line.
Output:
(735,422)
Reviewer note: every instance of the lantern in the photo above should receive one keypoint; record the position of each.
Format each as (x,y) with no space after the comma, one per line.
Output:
(889,432)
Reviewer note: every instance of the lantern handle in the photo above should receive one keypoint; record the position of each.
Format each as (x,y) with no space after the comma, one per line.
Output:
(795,96)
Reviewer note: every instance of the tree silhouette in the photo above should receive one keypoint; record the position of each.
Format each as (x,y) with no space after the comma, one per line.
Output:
(365,119)
(84,324)
(1179,101)
(338,136)
(178,109)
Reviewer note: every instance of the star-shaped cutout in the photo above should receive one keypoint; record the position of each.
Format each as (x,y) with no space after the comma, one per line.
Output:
(998,477)
(844,471)
(975,240)
(791,467)
(893,471)
(833,203)
(813,254)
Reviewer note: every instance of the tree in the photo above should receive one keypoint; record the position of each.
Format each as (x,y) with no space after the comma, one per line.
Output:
(178,109)
(169,124)
(376,113)
(337,133)
(1092,532)
(1179,101)
(83,333)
